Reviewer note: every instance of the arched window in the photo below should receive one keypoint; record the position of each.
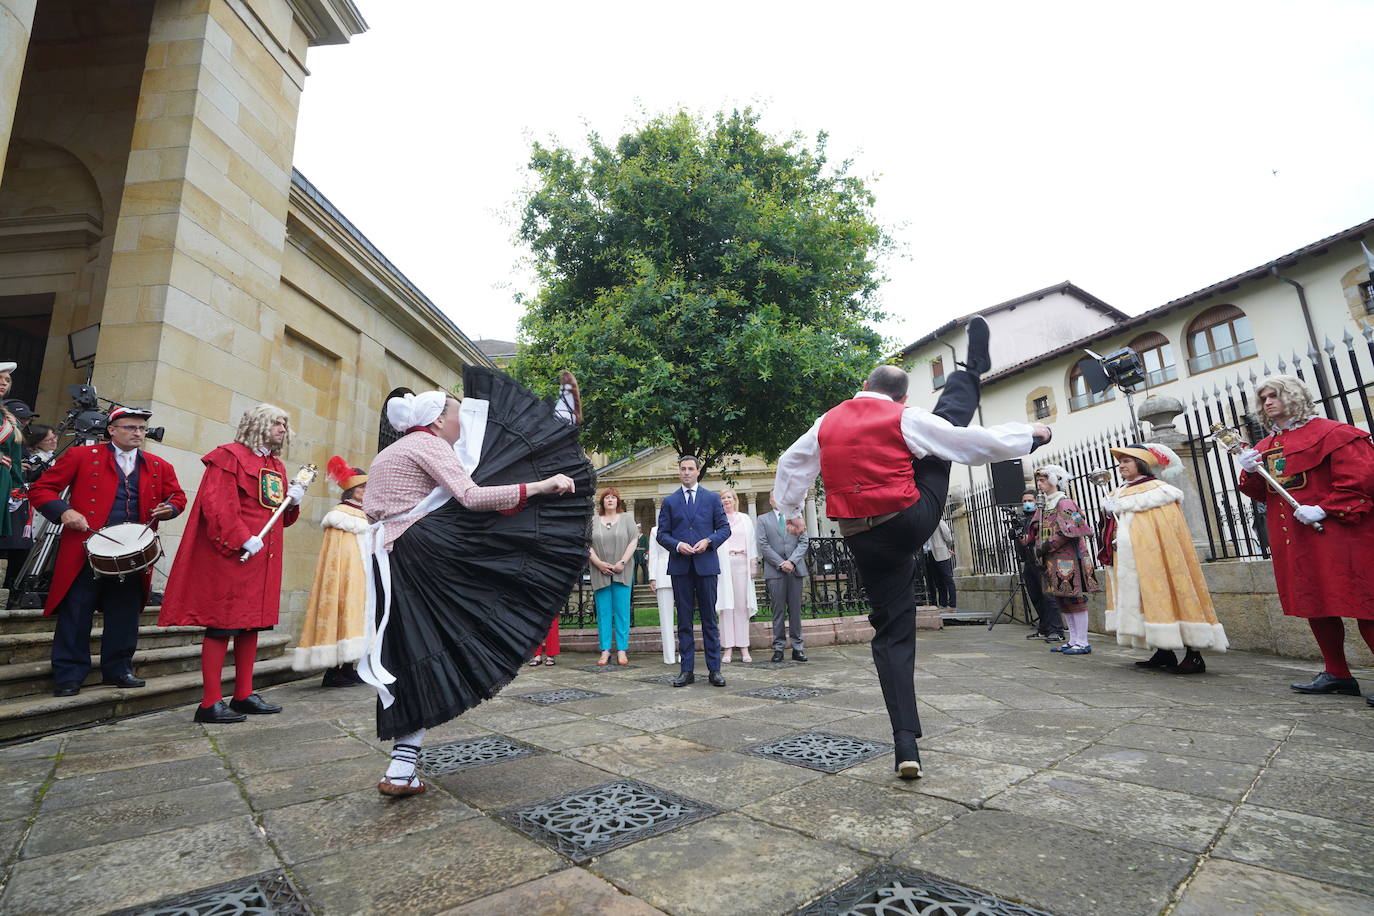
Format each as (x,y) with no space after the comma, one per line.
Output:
(1158,356)
(1219,336)
(1080,395)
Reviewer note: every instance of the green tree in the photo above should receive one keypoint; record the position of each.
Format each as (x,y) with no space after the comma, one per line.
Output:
(710,285)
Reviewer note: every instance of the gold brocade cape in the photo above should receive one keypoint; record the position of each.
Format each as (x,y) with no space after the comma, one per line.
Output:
(334,629)
(1156,595)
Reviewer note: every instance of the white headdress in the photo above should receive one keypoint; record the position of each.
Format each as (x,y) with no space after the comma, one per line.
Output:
(413,410)
(1057,475)
(1170,467)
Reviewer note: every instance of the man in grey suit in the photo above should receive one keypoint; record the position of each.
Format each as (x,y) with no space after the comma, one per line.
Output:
(784,567)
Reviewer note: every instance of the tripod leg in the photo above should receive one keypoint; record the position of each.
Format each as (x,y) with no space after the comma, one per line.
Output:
(1006,605)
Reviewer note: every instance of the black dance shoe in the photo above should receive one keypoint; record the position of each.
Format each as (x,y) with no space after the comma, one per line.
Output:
(219,714)
(683,679)
(799,656)
(123,680)
(977,360)
(254,705)
(777,655)
(716,678)
(1192,664)
(66,690)
(1163,658)
(908,756)
(342,676)
(1325,683)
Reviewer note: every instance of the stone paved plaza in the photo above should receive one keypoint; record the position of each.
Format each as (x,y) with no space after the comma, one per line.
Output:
(1068,785)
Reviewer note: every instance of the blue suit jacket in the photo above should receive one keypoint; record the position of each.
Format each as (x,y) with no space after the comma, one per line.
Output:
(707,520)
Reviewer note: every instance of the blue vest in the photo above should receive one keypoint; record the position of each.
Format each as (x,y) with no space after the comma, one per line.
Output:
(125,508)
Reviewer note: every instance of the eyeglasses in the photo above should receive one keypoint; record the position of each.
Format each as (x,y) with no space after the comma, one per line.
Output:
(133,429)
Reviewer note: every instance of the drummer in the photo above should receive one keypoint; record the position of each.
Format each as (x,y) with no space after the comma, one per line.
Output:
(110,484)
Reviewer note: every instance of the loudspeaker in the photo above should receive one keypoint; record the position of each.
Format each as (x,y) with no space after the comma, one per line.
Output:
(1008,482)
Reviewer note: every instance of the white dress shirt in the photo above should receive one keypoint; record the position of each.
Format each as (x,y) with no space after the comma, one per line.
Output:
(924,433)
(126,460)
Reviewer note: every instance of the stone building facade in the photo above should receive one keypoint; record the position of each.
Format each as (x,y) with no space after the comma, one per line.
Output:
(149,196)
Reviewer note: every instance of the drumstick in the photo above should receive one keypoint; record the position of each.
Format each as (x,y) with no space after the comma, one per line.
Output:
(105,536)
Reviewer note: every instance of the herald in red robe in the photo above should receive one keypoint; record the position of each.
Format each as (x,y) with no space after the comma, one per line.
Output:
(208,586)
(1328,464)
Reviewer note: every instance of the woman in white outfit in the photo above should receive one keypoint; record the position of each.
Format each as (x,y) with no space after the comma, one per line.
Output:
(662,586)
(736,599)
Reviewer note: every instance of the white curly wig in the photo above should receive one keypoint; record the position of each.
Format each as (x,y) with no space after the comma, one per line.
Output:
(1056,474)
(255,426)
(1293,395)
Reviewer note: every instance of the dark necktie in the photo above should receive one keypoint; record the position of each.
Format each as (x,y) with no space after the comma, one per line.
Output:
(690,494)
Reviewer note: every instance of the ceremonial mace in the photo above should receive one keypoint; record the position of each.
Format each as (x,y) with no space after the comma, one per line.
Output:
(1230,440)
(305,477)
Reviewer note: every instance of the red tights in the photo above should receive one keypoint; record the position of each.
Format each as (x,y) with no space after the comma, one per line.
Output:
(1330,634)
(212,654)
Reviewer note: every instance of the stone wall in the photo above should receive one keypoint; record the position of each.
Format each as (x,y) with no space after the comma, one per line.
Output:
(1246,600)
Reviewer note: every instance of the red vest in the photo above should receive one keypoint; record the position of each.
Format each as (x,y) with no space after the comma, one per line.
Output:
(865,463)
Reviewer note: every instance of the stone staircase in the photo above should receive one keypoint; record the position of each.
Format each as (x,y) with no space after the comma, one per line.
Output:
(168,658)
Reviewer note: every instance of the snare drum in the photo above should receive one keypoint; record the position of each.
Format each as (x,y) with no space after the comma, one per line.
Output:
(125,549)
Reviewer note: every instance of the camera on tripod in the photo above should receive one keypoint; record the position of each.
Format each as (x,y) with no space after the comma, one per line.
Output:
(87,419)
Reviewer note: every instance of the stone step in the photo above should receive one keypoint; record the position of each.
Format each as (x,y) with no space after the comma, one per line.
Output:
(31,620)
(26,717)
(21,679)
(33,647)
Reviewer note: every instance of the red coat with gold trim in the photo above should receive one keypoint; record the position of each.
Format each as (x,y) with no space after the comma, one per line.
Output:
(1328,464)
(90,471)
(208,586)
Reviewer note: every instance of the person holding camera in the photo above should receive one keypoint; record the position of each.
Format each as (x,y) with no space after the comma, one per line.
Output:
(1051,623)
(110,484)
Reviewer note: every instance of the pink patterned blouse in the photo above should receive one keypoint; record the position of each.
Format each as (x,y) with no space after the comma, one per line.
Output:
(406,471)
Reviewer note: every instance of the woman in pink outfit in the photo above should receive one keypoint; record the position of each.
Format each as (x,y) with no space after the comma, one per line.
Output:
(736,601)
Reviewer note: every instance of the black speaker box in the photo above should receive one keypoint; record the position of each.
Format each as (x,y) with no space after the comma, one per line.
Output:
(1008,482)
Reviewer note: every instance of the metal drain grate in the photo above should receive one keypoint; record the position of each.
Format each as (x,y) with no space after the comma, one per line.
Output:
(784,692)
(888,891)
(561,695)
(602,669)
(441,759)
(819,750)
(268,894)
(767,666)
(590,822)
(658,679)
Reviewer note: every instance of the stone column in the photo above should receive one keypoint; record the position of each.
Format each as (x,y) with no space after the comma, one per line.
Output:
(812,528)
(16,25)
(753,501)
(963,537)
(1160,413)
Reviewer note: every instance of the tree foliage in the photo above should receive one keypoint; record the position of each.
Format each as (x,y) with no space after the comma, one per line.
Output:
(710,285)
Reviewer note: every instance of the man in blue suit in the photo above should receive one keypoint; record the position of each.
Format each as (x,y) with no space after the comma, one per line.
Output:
(691,526)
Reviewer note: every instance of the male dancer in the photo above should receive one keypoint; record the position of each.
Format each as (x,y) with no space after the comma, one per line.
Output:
(864,449)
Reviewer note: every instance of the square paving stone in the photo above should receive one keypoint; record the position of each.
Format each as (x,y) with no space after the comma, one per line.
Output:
(1316,794)
(251,738)
(1336,852)
(1311,757)
(452,756)
(948,702)
(1222,888)
(867,817)
(885,888)
(657,719)
(117,818)
(1158,815)
(716,704)
(574,734)
(965,780)
(621,702)
(137,870)
(589,822)
(271,892)
(515,782)
(729,864)
(330,825)
(504,714)
(1236,748)
(11,832)
(132,756)
(605,669)
(19,787)
(297,754)
(426,872)
(1059,867)
(569,892)
(133,781)
(728,733)
(1193,775)
(638,753)
(728,780)
(984,741)
(289,787)
(823,751)
(1276,727)
(558,695)
(799,715)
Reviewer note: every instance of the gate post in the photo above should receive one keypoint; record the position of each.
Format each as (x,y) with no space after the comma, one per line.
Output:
(1160,413)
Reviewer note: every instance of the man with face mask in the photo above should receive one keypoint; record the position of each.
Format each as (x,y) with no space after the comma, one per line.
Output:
(1051,624)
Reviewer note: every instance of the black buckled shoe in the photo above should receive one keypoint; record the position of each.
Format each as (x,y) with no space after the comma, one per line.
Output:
(219,714)
(66,690)
(716,678)
(1163,658)
(1326,683)
(777,655)
(123,680)
(799,656)
(683,679)
(1192,664)
(254,705)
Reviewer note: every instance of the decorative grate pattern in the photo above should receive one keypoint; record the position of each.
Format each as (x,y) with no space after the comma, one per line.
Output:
(590,822)
(888,891)
(603,669)
(561,695)
(442,759)
(785,692)
(658,679)
(268,894)
(819,750)
(766,666)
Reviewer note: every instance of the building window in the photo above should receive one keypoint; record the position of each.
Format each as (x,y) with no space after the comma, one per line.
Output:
(1158,356)
(1367,296)
(1080,395)
(1042,407)
(1219,336)
(937,372)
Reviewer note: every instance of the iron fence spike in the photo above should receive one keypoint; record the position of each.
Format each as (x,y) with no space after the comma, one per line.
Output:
(1267,373)
(1254,379)
(1283,366)
(1328,346)
(1368,332)
(1347,338)
(1312,353)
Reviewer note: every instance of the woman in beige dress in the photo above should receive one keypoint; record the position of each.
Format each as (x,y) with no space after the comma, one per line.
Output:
(736,600)
(613,545)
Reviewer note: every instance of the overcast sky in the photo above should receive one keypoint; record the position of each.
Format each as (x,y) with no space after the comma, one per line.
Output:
(1141,151)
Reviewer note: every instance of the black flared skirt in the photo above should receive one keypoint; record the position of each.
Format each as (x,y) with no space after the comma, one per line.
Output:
(473,593)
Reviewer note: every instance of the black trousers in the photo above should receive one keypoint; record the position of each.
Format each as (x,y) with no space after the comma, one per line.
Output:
(1051,621)
(887,559)
(691,593)
(940,581)
(119,603)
